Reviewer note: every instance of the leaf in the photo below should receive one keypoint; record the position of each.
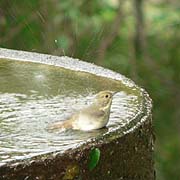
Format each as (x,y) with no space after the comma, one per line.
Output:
(93,158)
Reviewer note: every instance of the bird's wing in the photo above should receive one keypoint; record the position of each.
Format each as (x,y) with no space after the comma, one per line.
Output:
(93,112)
(67,124)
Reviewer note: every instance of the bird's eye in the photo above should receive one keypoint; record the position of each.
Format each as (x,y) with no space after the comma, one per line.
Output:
(107,96)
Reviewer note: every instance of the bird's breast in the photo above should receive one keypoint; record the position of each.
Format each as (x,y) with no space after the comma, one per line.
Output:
(89,122)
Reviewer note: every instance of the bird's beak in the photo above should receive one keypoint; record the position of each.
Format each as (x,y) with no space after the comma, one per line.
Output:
(114,92)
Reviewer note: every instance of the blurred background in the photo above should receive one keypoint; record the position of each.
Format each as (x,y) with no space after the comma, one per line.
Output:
(137,38)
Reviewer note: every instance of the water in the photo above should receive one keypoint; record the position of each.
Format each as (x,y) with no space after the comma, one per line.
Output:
(32,96)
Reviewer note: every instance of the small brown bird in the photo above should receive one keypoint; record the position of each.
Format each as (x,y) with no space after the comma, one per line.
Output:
(95,116)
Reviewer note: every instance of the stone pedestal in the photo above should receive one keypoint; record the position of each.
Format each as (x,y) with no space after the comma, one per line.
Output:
(120,153)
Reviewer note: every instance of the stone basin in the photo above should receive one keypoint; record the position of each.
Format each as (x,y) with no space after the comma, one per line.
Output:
(37,90)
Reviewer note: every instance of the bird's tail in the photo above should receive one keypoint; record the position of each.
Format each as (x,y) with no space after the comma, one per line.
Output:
(60,125)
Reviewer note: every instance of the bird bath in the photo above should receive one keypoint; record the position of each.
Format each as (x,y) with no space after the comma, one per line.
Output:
(37,90)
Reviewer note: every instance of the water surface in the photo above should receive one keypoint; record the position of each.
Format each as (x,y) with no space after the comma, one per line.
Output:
(33,95)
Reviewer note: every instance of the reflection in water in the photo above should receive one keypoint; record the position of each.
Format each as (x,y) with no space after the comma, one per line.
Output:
(33,96)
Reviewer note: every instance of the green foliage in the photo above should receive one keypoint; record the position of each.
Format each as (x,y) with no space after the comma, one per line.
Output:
(62,42)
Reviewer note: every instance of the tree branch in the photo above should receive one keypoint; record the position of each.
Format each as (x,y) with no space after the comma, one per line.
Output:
(109,38)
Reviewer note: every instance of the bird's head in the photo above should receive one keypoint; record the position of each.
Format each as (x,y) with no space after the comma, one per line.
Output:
(104,99)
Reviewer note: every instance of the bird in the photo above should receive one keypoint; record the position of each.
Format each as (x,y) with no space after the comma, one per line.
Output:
(93,117)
